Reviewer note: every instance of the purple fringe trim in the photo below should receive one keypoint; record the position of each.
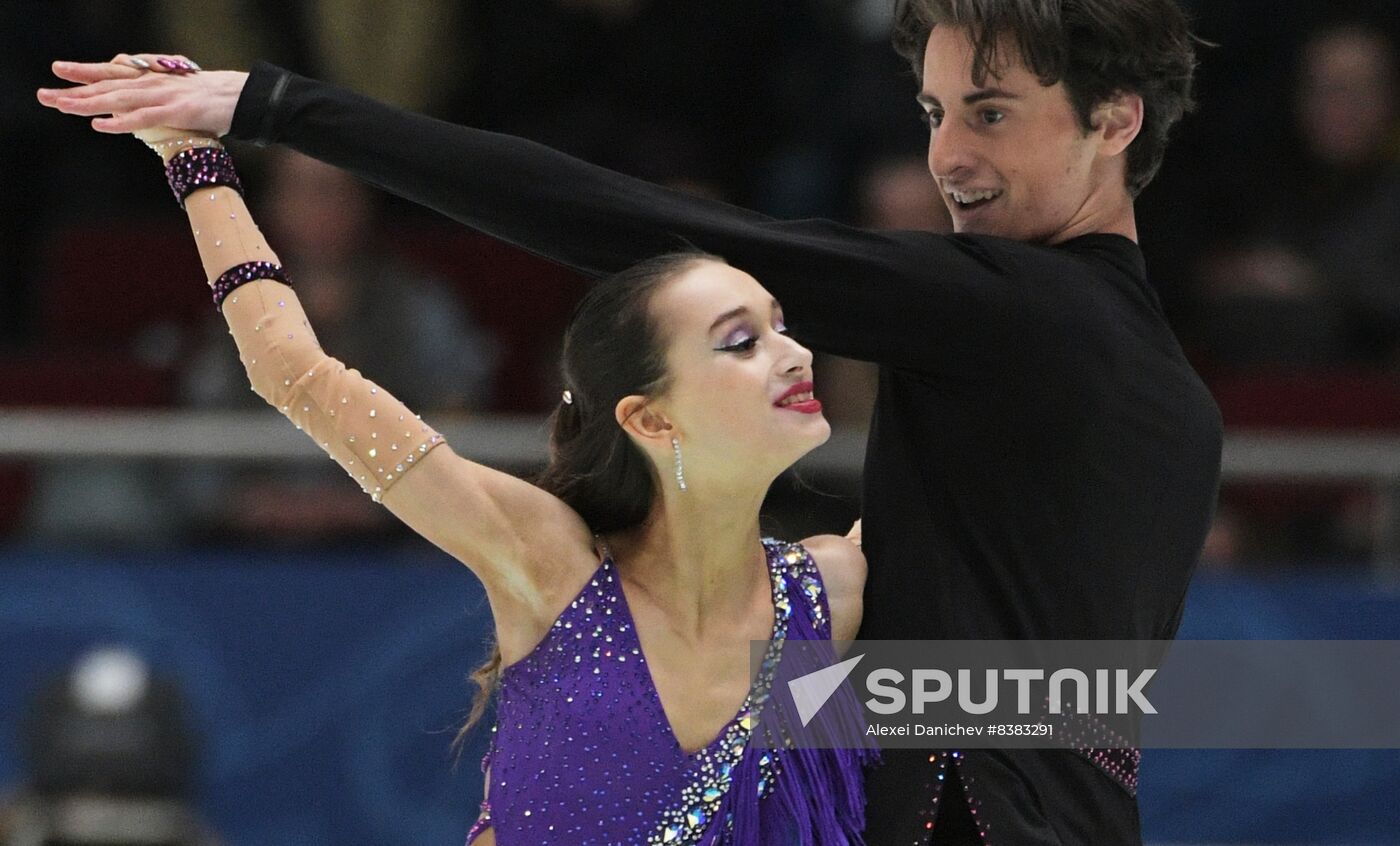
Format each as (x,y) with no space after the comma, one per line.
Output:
(200,167)
(818,795)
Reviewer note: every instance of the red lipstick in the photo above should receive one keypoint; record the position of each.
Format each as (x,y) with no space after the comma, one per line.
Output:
(806,406)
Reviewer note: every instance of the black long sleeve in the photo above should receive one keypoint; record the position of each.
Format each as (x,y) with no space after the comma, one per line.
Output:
(907,298)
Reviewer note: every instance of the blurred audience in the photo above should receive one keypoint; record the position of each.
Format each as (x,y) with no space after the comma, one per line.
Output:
(1306,275)
(403,329)
(696,92)
(893,193)
(1272,231)
(1314,277)
(412,53)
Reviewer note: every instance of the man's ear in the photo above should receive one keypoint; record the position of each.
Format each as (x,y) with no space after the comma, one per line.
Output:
(639,417)
(1117,121)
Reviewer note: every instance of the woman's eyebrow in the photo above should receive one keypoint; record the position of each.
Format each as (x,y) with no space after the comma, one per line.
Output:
(728,315)
(774,307)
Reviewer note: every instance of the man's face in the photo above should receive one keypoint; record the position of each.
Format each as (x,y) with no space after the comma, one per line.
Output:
(1010,157)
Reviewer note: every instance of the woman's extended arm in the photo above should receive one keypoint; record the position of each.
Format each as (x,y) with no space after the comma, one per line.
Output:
(493,522)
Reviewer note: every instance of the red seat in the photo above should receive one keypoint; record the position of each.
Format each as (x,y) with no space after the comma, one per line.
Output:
(82,377)
(16,480)
(102,286)
(1346,400)
(70,378)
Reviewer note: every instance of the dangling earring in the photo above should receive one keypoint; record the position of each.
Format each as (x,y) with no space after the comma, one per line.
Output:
(680,473)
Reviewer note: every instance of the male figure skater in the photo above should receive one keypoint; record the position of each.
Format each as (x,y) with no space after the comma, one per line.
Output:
(1042,462)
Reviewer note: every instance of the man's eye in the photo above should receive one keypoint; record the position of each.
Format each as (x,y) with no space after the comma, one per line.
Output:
(992,116)
(932,119)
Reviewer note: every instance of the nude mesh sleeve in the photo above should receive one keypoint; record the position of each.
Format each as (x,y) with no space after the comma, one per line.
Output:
(373,436)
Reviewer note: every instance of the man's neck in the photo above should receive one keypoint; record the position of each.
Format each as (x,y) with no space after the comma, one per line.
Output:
(1110,214)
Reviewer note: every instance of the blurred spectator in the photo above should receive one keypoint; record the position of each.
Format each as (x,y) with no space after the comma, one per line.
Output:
(407,52)
(893,193)
(1315,277)
(845,100)
(401,328)
(110,761)
(50,162)
(899,193)
(405,331)
(693,92)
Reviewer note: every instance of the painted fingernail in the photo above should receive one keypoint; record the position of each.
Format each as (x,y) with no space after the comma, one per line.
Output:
(140,63)
(195,66)
(167,64)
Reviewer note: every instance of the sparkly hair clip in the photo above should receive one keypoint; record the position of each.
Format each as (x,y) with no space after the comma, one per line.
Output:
(568,397)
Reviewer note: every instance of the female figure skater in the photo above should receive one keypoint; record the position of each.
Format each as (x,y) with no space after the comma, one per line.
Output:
(627,585)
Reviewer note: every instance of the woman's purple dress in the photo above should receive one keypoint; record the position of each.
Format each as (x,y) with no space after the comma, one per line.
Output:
(583,753)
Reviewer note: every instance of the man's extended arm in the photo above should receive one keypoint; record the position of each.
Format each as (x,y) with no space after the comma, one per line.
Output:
(903,298)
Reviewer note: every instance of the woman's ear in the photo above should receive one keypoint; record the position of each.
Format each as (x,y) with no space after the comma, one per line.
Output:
(643,421)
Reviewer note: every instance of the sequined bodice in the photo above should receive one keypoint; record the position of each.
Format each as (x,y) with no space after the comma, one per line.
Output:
(583,751)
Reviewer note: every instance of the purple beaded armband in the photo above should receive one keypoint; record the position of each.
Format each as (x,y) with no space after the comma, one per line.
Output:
(200,167)
(242,274)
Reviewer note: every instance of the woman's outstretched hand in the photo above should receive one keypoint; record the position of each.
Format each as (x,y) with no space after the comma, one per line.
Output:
(145,91)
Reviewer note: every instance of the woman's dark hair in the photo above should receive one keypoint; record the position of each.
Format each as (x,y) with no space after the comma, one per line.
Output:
(612,349)
(1098,48)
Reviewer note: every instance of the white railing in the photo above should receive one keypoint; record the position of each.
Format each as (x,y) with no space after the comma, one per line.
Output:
(520,441)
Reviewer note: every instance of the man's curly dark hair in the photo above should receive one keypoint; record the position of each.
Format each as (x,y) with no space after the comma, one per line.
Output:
(1098,48)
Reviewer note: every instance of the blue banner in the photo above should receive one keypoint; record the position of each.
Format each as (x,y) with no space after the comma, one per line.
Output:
(326,690)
